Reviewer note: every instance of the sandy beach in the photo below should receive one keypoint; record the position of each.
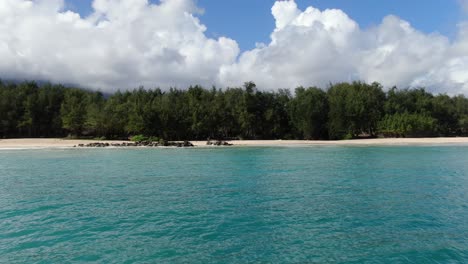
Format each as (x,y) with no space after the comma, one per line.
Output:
(66,143)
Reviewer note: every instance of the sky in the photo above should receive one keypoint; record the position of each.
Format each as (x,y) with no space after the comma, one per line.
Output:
(232,18)
(122,44)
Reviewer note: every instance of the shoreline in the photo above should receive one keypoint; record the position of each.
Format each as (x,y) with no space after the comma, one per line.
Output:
(41,143)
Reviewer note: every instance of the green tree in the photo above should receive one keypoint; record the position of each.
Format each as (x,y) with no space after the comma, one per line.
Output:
(73,111)
(309,113)
(355,109)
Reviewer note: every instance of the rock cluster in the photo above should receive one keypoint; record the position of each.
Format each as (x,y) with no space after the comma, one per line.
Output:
(138,144)
(218,143)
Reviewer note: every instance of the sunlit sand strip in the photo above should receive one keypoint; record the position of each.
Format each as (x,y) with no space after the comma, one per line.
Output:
(64,143)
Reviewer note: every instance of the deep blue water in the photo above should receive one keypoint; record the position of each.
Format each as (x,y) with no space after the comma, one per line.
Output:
(235,205)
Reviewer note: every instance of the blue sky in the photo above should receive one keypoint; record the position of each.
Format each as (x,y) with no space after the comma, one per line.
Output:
(250,21)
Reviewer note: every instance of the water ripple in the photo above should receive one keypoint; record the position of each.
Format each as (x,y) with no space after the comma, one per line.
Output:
(245,205)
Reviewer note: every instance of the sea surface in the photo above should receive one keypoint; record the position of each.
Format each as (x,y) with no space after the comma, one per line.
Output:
(235,205)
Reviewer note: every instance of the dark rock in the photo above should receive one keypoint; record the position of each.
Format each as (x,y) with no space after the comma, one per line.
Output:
(218,143)
(188,144)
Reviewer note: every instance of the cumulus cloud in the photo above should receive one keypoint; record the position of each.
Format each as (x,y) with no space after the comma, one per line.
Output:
(123,44)
(314,48)
(126,43)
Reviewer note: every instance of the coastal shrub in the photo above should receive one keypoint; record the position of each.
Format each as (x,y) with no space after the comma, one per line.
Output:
(153,139)
(406,125)
(463,124)
(139,138)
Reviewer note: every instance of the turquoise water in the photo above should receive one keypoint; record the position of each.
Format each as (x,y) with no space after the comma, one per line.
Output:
(235,205)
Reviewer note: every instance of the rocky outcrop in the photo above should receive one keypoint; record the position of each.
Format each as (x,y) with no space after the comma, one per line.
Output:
(218,143)
(161,143)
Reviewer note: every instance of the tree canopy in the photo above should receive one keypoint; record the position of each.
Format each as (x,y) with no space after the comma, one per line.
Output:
(343,110)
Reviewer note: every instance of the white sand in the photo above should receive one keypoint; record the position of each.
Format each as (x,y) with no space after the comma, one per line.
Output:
(356,142)
(65,143)
(44,143)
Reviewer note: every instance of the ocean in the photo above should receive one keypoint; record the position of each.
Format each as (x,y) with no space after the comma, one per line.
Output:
(328,204)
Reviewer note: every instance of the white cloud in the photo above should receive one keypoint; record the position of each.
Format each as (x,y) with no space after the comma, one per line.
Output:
(125,43)
(464,5)
(307,48)
(314,47)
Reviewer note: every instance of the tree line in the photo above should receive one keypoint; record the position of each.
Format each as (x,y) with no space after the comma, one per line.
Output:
(342,111)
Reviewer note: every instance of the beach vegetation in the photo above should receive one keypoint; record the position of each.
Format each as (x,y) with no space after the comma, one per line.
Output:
(341,111)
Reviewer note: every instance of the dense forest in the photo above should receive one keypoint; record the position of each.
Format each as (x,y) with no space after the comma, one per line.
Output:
(342,111)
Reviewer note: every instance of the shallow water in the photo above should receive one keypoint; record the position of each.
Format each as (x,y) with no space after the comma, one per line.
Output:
(235,205)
